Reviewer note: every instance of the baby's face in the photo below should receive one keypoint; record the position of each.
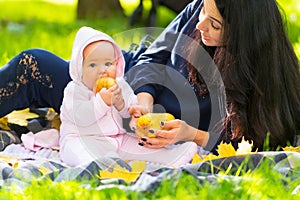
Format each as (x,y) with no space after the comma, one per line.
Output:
(98,61)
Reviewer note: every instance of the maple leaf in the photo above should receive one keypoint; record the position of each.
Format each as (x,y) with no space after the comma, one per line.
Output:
(4,123)
(291,148)
(44,170)
(54,118)
(244,147)
(225,150)
(20,117)
(197,158)
(121,173)
(11,161)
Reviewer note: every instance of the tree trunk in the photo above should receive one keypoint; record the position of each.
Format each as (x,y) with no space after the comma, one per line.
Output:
(176,6)
(91,9)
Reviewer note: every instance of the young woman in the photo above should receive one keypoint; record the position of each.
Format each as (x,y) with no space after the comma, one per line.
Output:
(260,71)
(250,51)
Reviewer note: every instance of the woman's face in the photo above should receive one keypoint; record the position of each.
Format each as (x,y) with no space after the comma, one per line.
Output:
(210,24)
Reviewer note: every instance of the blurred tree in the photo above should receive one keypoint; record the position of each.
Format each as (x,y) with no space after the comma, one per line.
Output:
(89,9)
(175,5)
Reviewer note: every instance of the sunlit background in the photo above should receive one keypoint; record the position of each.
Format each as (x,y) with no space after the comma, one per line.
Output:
(52,24)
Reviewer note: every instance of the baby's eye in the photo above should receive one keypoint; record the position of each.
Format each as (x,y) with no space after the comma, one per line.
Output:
(93,65)
(108,64)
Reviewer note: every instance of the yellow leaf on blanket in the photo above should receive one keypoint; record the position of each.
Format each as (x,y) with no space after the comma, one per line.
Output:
(4,123)
(11,161)
(51,114)
(121,173)
(291,148)
(44,170)
(226,150)
(197,158)
(244,147)
(20,117)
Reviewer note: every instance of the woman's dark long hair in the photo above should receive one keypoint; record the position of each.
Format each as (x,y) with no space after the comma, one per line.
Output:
(260,71)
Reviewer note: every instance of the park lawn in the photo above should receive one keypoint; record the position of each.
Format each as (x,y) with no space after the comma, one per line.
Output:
(39,24)
(260,183)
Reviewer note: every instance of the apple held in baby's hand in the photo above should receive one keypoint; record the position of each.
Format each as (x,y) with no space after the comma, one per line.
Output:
(104,82)
(151,121)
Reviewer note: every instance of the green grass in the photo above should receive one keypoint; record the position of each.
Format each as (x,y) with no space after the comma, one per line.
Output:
(261,183)
(30,24)
(292,14)
(36,23)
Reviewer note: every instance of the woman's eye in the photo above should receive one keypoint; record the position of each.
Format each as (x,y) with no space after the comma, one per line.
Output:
(214,26)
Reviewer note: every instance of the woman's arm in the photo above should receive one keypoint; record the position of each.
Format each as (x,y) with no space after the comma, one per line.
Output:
(145,105)
(149,72)
(145,99)
(201,138)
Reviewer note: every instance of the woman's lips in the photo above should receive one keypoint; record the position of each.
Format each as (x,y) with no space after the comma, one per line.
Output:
(205,37)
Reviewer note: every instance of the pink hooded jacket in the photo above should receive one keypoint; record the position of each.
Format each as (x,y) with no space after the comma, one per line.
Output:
(82,112)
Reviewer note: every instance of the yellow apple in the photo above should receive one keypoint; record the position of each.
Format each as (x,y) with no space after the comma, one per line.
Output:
(104,82)
(151,121)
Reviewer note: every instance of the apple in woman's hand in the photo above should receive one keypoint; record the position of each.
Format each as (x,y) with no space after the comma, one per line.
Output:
(150,122)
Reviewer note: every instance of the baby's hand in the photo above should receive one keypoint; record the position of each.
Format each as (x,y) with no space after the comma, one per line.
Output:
(117,97)
(136,111)
(106,95)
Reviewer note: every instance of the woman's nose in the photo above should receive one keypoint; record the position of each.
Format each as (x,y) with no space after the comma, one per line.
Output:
(202,25)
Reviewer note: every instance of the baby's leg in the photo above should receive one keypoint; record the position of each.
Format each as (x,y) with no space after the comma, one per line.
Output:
(172,157)
(81,150)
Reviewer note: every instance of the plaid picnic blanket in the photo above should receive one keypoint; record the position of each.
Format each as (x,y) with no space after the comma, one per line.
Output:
(19,166)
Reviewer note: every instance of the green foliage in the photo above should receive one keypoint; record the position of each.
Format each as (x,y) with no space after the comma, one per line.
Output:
(291,12)
(263,182)
(52,26)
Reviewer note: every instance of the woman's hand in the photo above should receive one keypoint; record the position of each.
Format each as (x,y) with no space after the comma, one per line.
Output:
(176,131)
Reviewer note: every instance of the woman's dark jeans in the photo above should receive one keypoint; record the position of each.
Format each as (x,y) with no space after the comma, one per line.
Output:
(33,78)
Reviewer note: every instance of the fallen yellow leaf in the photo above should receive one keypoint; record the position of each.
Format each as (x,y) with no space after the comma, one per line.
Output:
(20,117)
(11,161)
(44,170)
(197,158)
(4,123)
(226,150)
(121,173)
(244,147)
(291,148)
